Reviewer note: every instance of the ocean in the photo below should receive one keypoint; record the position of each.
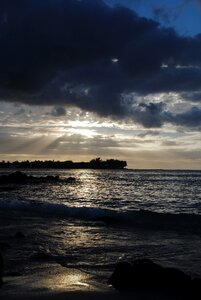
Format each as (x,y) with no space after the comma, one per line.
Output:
(101,218)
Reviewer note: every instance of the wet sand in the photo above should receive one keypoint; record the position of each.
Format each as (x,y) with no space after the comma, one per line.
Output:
(59,283)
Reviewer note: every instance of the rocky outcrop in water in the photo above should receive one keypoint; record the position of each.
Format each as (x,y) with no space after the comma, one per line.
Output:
(19,177)
(143,275)
(20,235)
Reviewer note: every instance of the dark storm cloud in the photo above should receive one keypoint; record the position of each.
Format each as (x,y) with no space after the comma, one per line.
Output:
(87,54)
(150,115)
(190,118)
(154,117)
(163,13)
(58,111)
(41,38)
(193,97)
(167,14)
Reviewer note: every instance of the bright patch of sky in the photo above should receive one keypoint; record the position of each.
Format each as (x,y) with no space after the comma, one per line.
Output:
(156,128)
(30,132)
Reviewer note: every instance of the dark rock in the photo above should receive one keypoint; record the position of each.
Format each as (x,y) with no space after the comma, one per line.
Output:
(7,188)
(122,278)
(1,265)
(146,276)
(49,178)
(1,269)
(175,280)
(42,255)
(21,178)
(16,178)
(13,274)
(4,246)
(70,180)
(20,235)
(196,286)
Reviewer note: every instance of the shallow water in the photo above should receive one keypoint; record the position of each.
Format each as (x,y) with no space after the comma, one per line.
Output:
(103,217)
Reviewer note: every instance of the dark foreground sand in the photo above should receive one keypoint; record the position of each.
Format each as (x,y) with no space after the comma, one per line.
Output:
(59,283)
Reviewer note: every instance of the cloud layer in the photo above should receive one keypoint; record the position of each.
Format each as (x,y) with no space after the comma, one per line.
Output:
(93,56)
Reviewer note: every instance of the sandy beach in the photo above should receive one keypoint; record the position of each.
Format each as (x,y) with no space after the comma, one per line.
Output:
(55,282)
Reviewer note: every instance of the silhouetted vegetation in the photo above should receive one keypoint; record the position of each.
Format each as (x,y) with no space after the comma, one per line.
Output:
(97,163)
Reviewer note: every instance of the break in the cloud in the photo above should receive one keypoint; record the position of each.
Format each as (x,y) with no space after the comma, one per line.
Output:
(35,134)
(93,56)
(183,15)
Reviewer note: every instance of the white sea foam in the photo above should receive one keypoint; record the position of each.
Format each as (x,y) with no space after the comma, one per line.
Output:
(139,218)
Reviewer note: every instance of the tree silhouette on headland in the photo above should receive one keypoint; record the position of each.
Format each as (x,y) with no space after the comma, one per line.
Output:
(96,163)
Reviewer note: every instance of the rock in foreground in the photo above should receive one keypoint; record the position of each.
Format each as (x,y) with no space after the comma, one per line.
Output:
(143,275)
(1,270)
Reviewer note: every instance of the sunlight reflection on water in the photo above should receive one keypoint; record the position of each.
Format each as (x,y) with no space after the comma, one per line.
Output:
(162,191)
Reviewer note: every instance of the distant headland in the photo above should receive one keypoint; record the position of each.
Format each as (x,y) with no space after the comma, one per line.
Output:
(96,163)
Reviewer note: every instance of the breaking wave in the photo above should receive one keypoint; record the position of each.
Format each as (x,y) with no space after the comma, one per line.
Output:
(138,218)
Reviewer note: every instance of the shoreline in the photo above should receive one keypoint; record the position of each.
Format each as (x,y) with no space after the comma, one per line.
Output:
(59,283)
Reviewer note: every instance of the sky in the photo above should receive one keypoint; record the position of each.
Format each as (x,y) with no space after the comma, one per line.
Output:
(120,79)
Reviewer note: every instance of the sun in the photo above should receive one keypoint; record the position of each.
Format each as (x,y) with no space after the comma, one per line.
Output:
(88,133)
(82,127)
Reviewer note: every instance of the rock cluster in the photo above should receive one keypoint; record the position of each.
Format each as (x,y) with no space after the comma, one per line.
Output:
(19,177)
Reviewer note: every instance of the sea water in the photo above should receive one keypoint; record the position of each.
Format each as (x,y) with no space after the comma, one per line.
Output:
(105,216)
